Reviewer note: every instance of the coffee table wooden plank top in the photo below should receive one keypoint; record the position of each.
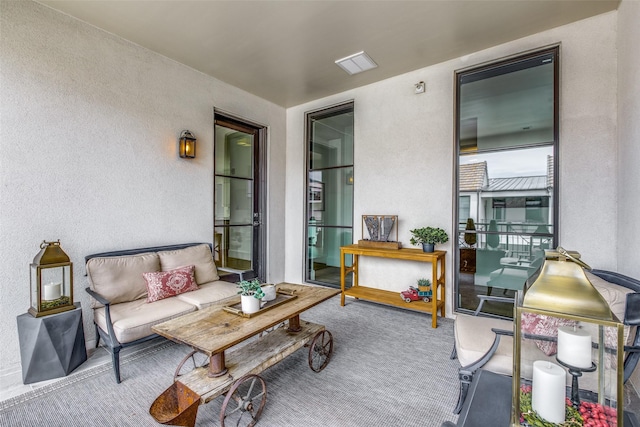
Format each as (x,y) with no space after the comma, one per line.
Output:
(212,330)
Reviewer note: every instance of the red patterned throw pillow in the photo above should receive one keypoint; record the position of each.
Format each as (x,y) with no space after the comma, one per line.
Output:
(165,284)
(539,324)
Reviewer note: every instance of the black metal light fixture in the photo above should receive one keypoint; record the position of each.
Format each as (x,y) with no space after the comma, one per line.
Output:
(187,145)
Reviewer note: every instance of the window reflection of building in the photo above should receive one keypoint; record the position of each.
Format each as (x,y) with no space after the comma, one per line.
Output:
(518,204)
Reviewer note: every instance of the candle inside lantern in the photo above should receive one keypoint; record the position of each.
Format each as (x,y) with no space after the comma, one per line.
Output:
(574,346)
(52,291)
(548,391)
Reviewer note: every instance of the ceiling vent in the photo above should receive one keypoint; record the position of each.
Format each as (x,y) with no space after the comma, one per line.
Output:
(356,63)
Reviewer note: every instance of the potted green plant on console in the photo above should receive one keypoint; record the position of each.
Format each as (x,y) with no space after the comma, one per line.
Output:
(251,295)
(428,237)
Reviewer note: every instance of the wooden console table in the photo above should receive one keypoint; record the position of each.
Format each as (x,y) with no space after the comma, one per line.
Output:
(436,258)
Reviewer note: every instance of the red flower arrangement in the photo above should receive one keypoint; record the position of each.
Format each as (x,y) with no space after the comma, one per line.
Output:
(589,414)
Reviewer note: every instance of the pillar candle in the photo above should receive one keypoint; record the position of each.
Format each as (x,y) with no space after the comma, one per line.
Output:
(548,391)
(52,291)
(574,346)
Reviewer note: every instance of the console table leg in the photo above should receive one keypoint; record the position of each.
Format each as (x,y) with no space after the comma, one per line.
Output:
(342,277)
(217,367)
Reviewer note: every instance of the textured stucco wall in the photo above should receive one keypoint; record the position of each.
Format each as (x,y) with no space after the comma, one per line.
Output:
(89,124)
(629,138)
(404,151)
(629,143)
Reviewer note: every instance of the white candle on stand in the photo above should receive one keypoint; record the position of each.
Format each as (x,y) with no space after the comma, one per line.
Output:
(574,346)
(52,291)
(548,391)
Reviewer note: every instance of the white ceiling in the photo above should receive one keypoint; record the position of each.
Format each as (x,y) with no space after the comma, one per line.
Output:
(284,51)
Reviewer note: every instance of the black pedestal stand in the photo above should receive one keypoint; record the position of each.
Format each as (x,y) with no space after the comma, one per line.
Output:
(575,373)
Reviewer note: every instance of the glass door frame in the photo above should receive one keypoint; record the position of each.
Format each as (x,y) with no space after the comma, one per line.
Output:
(487,68)
(335,109)
(259,160)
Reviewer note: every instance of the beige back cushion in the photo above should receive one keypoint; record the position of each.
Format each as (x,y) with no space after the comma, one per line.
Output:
(614,294)
(199,255)
(119,278)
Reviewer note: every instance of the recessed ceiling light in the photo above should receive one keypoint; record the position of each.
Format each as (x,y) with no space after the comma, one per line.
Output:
(356,63)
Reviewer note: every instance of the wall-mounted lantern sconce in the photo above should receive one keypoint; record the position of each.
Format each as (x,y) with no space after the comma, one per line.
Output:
(187,145)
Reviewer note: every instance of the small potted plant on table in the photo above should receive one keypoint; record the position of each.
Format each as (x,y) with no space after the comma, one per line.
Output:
(250,295)
(424,285)
(428,237)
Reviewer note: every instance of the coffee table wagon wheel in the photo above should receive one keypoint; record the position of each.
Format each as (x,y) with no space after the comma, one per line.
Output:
(320,350)
(198,359)
(247,396)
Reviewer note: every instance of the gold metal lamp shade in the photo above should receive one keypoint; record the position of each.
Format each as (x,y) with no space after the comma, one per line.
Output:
(562,287)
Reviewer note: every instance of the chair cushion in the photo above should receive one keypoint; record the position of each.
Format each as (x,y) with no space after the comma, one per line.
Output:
(615,295)
(133,320)
(510,277)
(119,278)
(539,324)
(209,293)
(473,338)
(472,342)
(199,255)
(165,284)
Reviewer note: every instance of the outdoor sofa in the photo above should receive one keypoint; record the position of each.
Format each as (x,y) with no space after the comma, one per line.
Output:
(133,290)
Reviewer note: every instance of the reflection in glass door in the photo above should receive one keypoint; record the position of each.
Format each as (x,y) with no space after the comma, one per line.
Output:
(238,206)
(329,207)
(507,139)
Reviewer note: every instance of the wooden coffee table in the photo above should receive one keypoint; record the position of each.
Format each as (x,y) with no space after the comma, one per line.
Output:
(216,332)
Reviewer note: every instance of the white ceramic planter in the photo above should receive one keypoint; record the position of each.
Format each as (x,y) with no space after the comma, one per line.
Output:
(269,293)
(249,304)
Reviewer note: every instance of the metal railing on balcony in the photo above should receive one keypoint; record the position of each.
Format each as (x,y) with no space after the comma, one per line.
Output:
(518,239)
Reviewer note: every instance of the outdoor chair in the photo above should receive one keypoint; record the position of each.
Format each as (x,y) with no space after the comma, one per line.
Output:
(487,342)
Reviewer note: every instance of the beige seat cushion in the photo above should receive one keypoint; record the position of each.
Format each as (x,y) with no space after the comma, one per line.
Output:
(199,255)
(474,337)
(133,320)
(209,293)
(119,278)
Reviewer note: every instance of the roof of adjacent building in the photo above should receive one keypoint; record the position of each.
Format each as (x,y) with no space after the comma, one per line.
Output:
(473,176)
(519,183)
